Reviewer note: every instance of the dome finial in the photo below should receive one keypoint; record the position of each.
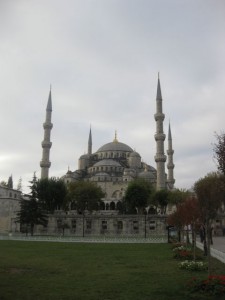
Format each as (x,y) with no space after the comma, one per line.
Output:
(115,139)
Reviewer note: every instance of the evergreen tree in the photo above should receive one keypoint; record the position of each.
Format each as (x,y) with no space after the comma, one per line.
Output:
(10,182)
(31,212)
(19,185)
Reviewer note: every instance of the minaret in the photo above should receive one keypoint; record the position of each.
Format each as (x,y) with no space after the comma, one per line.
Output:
(160,157)
(46,144)
(90,143)
(170,164)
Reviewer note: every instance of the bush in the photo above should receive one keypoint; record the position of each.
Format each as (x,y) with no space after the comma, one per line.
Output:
(176,245)
(213,285)
(183,254)
(193,265)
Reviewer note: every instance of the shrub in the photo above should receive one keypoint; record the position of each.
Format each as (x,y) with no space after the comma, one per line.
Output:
(181,248)
(193,265)
(176,245)
(183,254)
(213,285)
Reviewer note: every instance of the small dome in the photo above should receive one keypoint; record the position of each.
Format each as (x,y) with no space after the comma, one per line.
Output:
(107,162)
(134,154)
(84,156)
(146,175)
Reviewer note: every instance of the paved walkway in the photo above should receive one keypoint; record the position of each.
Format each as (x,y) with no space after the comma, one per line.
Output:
(219,243)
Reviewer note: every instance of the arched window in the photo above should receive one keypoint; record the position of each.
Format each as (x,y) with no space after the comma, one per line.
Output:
(102,206)
(112,206)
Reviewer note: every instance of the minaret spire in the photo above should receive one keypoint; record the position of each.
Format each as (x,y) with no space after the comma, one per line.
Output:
(46,144)
(115,138)
(170,164)
(160,157)
(90,143)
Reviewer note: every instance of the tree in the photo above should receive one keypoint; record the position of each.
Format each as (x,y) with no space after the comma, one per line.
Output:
(177,196)
(161,199)
(187,213)
(3,183)
(137,196)
(31,212)
(210,194)
(191,216)
(84,195)
(176,219)
(219,151)
(51,193)
(10,182)
(19,185)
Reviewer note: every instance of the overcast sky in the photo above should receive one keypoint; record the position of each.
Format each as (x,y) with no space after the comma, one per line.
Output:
(102,58)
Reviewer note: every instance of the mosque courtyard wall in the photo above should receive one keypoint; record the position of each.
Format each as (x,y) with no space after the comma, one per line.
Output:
(73,224)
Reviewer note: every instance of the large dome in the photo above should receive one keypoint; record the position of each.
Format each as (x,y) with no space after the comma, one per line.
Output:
(115,146)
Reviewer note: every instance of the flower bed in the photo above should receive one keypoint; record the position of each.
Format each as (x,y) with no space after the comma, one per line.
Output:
(193,265)
(176,245)
(213,285)
(183,254)
(181,248)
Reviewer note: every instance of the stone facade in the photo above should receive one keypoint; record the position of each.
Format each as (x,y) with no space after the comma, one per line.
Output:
(72,224)
(9,206)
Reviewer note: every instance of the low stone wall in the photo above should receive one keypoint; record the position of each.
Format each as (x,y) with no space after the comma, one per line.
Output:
(61,224)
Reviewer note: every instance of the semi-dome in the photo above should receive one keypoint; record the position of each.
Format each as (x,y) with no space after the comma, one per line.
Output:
(107,162)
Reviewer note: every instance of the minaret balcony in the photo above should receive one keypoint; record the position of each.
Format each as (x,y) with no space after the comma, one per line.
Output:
(47,125)
(170,165)
(46,144)
(45,164)
(160,158)
(159,116)
(160,137)
(170,152)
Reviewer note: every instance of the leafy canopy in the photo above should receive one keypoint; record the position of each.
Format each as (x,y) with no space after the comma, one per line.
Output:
(84,195)
(51,193)
(137,196)
(219,151)
(210,193)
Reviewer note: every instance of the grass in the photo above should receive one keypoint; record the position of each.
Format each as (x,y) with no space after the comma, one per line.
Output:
(48,270)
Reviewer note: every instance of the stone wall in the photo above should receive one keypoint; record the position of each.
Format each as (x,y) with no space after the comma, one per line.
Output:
(9,206)
(104,225)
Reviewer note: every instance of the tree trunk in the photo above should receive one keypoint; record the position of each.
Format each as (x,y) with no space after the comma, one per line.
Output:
(32,229)
(208,243)
(194,241)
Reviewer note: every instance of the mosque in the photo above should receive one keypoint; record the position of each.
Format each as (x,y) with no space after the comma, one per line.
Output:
(111,167)
(115,164)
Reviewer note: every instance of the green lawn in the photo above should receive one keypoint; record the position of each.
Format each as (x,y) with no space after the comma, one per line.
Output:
(49,270)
